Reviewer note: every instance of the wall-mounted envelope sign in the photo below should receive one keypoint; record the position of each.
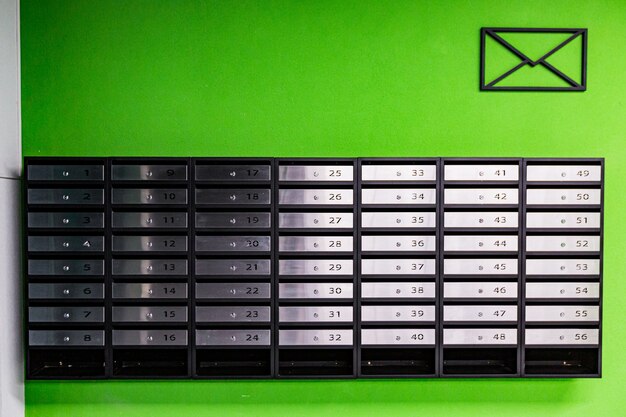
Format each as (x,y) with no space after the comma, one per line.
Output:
(533,59)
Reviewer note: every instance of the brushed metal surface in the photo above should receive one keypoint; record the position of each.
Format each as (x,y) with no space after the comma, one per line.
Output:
(66,196)
(233,243)
(66,314)
(84,267)
(583,290)
(340,196)
(70,291)
(150,290)
(54,172)
(233,220)
(480,290)
(149,220)
(233,196)
(399,172)
(569,243)
(149,196)
(315,314)
(324,337)
(66,220)
(159,243)
(576,267)
(417,220)
(170,267)
(480,243)
(315,173)
(233,337)
(213,267)
(235,314)
(413,196)
(480,266)
(234,172)
(481,219)
(577,220)
(315,267)
(479,196)
(558,173)
(66,243)
(491,336)
(398,290)
(397,266)
(561,313)
(399,313)
(483,172)
(563,196)
(315,220)
(298,290)
(315,244)
(153,314)
(408,337)
(152,337)
(160,172)
(234,290)
(66,338)
(398,243)
(552,336)
(472,313)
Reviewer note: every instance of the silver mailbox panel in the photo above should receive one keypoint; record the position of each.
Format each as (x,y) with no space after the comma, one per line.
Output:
(397,337)
(583,290)
(155,314)
(231,337)
(480,243)
(480,290)
(234,197)
(493,266)
(234,290)
(152,337)
(412,243)
(65,172)
(153,290)
(481,219)
(149,172)
(82,196)
(478,196)
(500,313)
(480,336)
(232,267)
(315,267)
(149,267)
(233,243)
(66,243)
(70,291)
(577,220)
(397,266)
(563,243)
(486,172)
(66,338)
(398,290)
(400,313)
(233,172)
(315,173)
(562,267)
(160,220)
(324,337)
(66,314)
(566,196)
(562,313)
(66,220)
(553,336)
(398,172)
(315,197)
(315,244)
(315,290)
(315,220)
(422,219)
(233,220)
(581,173)
(314,314)
(167,196)
(413,196)
(150,243)
(66,267)
(226,314)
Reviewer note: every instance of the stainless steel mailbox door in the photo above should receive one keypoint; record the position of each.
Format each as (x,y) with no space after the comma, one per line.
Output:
(325,337)
(150,314)
(479,196)
(480,290)
(399,173)
(315,173)
(589,337)
(571,243)
(398,290)
(234,290)
(564,196)
(480,313)
(149,172)
(66,267)
(480,243)
(66,338)
(398,313)
(315,244)
(398,243)
(152,290)
(152,337)
(481,219)
(220,267)
(485,172)
(493,266)
(237,172)
(413,196)
(161,243)
(65,172)
(397,266)
(561,313)
(231,337)
(408,337)
(234,197)
(562,267)
(168,267)
(234,314)
(86,220)
(554,173)
(315,197)
(151,220)
(233,220)
(315,267)
(550,290)
(318,314)
(331,290)
(403,220)
(490,336)
(66,243)
(66,314)
(233,244)
(66,196)
(315,220)
(70,291)
(149,196)
(577,220)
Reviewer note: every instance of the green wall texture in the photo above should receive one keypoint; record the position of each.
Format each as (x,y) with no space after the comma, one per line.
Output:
(323,78)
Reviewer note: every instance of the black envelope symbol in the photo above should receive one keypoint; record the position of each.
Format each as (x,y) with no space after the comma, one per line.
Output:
(501,82)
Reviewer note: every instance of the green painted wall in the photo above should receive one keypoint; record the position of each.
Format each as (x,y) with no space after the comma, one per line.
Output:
(323,78)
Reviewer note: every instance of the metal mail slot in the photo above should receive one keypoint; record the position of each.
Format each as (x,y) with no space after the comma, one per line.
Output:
(66,243)
(501,313)
(157,314)
(153,337)
(149,196)
(223,314)
(315,267)
(315,290)
(82,196)
(562,313)
(65,172)
(315,244)
(566,196)
(479,336)
(233,220)
(149,243)
(234,197)
(562,267)
(563,243)
(66,220)
(233,243)
(562,337)
(578,173)
(314,314)
(413,196)
(315,173)
(149,172)
(66,338)
(233,267)
(316,197)
(65,267)
(235,290)
(480,290)
(152,290)
(325,337)
(164,220)
(411,243)
(481,219)
(577,220)
(66,314)
(480,243)
(315,220)
(478,196)
(487,172)
(399,172)
(70,291)
(398,266)
(233,172)
(585,290)
(250,337)
(402,220)
(398,290)
(480,266)
(149,266)
(397,337)
(409,313)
